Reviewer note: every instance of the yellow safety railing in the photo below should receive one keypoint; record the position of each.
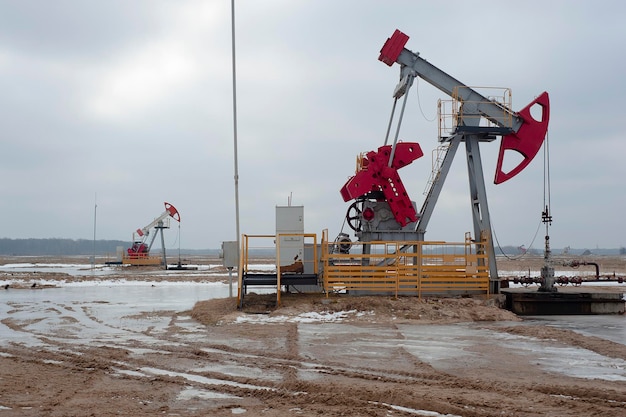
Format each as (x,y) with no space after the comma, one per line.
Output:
(390,267)
(271,246)
(451,114)
(415,268)
(142,260)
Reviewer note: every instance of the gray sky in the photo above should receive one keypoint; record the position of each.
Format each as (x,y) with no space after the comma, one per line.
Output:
(131,101)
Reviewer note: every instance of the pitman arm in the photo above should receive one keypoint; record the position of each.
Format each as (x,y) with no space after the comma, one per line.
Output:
(526,134)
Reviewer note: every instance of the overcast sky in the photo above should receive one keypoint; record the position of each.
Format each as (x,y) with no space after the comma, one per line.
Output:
(129,104)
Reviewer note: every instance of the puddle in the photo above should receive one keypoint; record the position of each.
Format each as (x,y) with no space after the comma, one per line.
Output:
(190,393)
(609,326)
(125,314)
(201,379)
(415,412)
(242,371)
(450,346)
(439,343)
(97,313)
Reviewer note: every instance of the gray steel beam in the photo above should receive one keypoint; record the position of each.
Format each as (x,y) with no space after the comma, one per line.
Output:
(480,208)
(435,188)
(494,111)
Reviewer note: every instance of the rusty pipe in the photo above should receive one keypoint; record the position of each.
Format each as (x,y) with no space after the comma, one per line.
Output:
(576,264)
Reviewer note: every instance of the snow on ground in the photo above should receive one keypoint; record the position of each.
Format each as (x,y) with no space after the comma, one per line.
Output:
(309,317)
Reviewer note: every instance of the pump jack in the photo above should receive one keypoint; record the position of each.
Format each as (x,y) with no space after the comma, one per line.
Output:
(139,252)
(377,187)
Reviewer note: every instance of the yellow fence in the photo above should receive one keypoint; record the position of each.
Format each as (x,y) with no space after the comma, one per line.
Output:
(275,275)
(409,268)
(142,260)
(386,267)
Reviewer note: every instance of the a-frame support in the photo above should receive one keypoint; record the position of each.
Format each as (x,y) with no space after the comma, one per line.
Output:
(480,209)
(159,230)
(478,197)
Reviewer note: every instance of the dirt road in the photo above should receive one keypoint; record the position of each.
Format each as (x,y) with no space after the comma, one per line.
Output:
(172,349)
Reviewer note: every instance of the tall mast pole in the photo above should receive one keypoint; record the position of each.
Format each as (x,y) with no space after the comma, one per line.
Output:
(235,126)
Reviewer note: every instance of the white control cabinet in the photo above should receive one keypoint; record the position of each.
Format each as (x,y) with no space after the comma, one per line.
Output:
(290,220)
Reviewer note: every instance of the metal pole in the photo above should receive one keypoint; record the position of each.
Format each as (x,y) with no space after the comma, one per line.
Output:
(395,139)
(163,247)
(235,128)
(179,261)
(393,110)
(230,282)
(95,211)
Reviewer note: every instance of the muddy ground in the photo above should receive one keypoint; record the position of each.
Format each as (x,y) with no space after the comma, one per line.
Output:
(313,356)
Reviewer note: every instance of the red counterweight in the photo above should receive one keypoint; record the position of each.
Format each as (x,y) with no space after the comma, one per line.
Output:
(376,174)
(391,50)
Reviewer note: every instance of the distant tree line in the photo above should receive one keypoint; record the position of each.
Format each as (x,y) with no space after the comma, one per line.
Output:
(57,246)
(70,247)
